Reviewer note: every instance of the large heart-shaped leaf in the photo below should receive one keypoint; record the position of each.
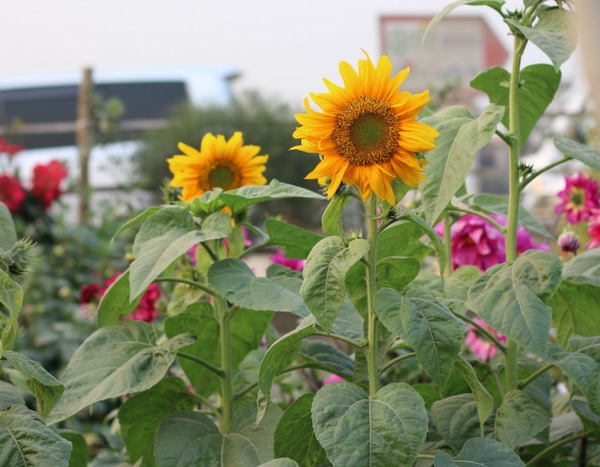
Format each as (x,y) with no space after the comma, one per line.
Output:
(324,356)
(332,217)
(261,435)
(115,302)
(113,361)
(585,264)
(480,452)
(396,272)
(294,241)
(510,297)
(357,430)
(429,327)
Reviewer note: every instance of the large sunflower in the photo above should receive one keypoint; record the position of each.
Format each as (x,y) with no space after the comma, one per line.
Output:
(367,133)
(219,163)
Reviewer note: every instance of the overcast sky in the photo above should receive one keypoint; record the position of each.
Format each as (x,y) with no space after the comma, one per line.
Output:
(282,47)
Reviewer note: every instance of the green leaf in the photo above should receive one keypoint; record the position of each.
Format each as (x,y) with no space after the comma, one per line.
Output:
(218,222)
(235,281)
(295,437)
(323,289)
(281,462)
(356,287)
(140,416)
(426,229)
(164,237)
(497,204)
(510,297)
(480,452)
(586,345)
(27,442)
(581,152)
(450,162)
(332,217)
(248,195)
(283,352)
(45,387)
(519,419)
(260,436)
(457,420)
(11,295)
(8,234)
(294,241)
(79,454)
(434,333)
(356,430)
(483,399)
(585,264)
(9,395)
(115,302)
(324,356)
(113,361)
(590,420)
(137,219)
(538,84)
(396,272)
(555,34)
(571,306)
(495,4)
(410,233)
(191,439)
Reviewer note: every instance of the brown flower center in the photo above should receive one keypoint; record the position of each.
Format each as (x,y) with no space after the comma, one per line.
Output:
(366,131)
(225,174)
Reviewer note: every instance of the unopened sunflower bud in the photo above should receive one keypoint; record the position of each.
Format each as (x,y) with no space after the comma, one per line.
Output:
(568,242)
(17,259)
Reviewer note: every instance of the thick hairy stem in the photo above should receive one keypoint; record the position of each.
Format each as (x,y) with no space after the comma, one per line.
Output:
(226,366)
(448,243)
(371,287)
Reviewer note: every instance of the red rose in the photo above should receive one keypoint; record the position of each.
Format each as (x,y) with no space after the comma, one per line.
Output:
(11,193)
(46,181)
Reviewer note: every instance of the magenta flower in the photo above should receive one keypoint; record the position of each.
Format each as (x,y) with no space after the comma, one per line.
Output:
(481,347)
(295,264)
(333,379)
(578,198)
(478,243)
(594,230)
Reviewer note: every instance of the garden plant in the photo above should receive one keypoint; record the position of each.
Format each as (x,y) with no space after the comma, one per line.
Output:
(454,339)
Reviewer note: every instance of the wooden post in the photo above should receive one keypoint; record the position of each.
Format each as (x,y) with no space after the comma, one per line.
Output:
(84,142)
(588,12)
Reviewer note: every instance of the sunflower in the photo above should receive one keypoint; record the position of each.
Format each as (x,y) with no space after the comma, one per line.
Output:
(367,133)
(218,164)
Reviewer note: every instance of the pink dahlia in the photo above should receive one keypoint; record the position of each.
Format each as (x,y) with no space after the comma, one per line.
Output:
(478,243)
(594,230)
(480,346)
(295,264)
(578,198)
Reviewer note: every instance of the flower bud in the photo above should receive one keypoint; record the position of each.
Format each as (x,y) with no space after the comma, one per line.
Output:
(568,242)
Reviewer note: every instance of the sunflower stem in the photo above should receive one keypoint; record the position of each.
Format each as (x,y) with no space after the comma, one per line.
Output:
(371,285)
(512,376)
(226,365)
(448,242)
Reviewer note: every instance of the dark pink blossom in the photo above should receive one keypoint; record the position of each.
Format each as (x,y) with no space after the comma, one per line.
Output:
(333,379)
(594,230)
(9,149)
(568,242)
(295,264)
(578,198)
(481,347)
(11,193)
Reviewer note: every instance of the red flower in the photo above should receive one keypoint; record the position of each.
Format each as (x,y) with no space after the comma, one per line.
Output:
(88,293)
(11,193)
(46,181)
(9,149)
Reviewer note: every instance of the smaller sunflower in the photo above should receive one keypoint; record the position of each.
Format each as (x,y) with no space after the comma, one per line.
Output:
(367,133)
(218,164)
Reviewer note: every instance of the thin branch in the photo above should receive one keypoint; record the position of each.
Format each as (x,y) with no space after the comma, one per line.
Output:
(425,456)
(198,285)
(245,390)
(204,400)
(210,251)
(559,443)
(252,249)
(536,174)
(484,331)
(503,137)
(541,371)
(350,342)
(485,217)
(391,363)
(217,371)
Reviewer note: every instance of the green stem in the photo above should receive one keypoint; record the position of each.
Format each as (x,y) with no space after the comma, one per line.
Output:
(512,374)
(557,444)
(371,287)
(245,390)
(350,342)
(480,214)
(205,364)
(425,456)
(533,176)
(226,365)
(448,243)
(210,251)
(198,285)
(523,384)
(483,331)
(503,137)
(251,250)
(391,363)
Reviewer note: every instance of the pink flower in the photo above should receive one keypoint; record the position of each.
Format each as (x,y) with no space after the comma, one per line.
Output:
(333,379)
(578,198)
(568,242)
(11,193)
(594,230)
(9,149)
(480,347)
(295,264)
(46,181)
(477,242)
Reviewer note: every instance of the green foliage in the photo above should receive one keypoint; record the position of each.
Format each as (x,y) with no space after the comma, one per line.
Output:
(8,234)
(482,452)
(581,152)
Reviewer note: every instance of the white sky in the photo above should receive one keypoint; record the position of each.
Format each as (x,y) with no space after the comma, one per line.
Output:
(282,47)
